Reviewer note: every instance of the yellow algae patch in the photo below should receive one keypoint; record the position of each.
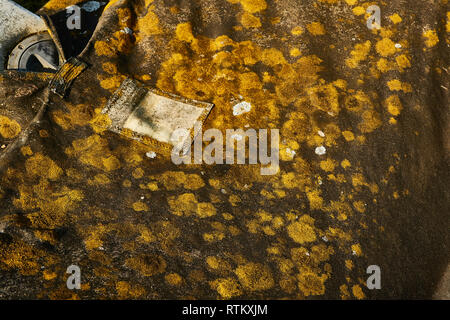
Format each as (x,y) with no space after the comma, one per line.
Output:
(52,206)
(147,265)
(9,128)
(345,164)
(250,21)
(49,275)
(20,256)
(358,54)
(254,276)
(385,47)
(358,11)
(327,165)
(206,209)
(324,97)
(78,115)
(395,18)
(102,48)
(402,62)
(213,236)
(393,104)
(99,179)
(217,263)
(173,180)
(100,122)
(295,52)
(174,279)
(359,206)
(431,38)
(148,24)
(297,31)
(448,22)
(348,135)
(184,32)
(140,206)
(94,151)
(26,151)
(111,163)
(251,6)
(351,2)
(397,85)
(109,67)
(311,283)
(126,291)
(384,65)
(60,4)
(138,173)
(111,83)
(227,287)
(315,200)
(357,292)
(316,28)
(302,231)
(42,166)
(187,205)
(370,121)
(356,249)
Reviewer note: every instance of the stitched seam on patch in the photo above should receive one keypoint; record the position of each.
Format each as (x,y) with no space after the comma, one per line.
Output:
(128,97)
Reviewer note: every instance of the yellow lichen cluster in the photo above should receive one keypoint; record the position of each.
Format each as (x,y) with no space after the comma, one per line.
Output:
(9,128)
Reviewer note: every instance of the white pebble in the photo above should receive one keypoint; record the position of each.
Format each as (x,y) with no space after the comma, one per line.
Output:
(241,108)
(398,45)
(321,150)
(290,152)
(236,137)
(321,133)
(151,154)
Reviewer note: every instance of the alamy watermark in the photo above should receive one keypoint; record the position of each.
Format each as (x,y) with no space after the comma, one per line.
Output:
(374,281)
(74,280)
(374,21)
(236,148)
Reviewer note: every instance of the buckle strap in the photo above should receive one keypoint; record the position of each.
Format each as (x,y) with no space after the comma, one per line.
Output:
(65,76)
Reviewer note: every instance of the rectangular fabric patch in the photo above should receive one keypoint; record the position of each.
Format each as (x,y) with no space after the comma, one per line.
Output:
(151,116)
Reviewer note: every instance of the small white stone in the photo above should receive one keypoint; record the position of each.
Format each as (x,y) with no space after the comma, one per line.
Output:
(142,198)
(223,191)
(307,253)
(321,133)
(324,238)
(241,108)
(236,137)
(151,154)
(398,45)
(321,150)
(127,30)
(290,152)
(91,6)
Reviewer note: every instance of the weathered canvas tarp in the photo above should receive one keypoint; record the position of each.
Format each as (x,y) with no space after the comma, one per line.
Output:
(140,227)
